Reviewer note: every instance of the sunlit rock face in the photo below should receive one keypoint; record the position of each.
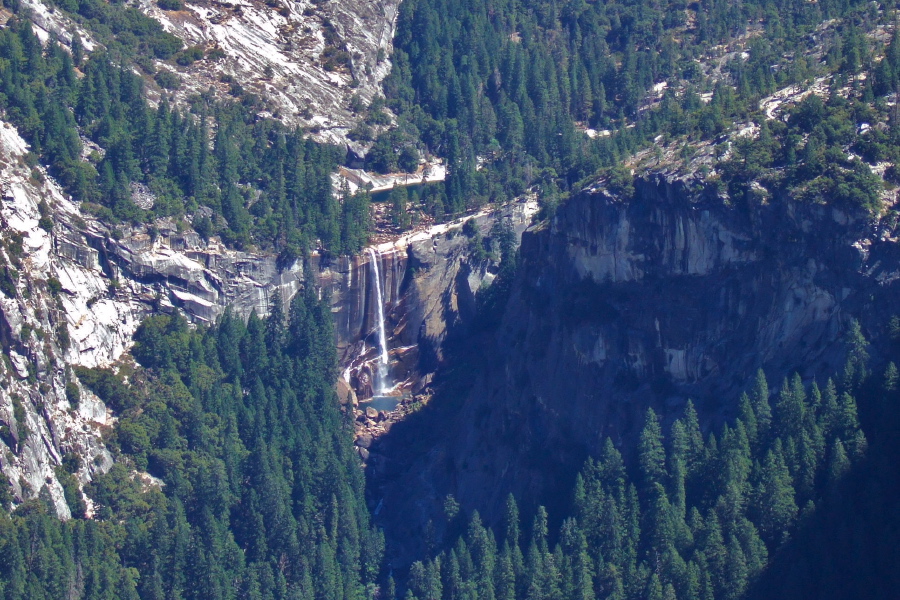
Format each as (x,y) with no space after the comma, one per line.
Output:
(73,294)
(56,310)
(304,59)
(624,304)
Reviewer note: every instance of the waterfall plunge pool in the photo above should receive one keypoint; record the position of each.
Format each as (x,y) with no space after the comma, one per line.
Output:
(382,403)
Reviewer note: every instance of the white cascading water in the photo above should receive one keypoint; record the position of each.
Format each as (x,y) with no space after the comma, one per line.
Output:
(382,338)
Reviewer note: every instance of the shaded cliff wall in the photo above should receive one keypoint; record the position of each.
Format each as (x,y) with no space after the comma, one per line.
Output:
(620,305)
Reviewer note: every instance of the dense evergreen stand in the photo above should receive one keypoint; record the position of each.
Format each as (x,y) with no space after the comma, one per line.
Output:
(259,494)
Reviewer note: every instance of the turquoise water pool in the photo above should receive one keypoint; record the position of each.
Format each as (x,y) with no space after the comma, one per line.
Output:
(380,403)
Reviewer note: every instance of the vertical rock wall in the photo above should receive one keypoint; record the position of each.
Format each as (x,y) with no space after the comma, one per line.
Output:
(620,305)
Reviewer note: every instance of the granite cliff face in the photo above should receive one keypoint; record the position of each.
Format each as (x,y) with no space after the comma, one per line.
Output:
(624,304)
(618,305)
(54,312)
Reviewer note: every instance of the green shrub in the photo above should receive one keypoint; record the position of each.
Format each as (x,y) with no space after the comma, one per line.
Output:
(167,80)
(189,56)
(73,394)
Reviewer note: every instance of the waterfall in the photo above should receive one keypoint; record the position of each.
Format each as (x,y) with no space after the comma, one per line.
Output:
(382,338)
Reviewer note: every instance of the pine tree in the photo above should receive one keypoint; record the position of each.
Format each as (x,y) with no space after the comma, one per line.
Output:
(577,567)
(789,409)
(512,537)
(807,466)
(747,416)
(77,47)
(694,451)
(838,464)
(506,575)
(655,588)
(737,574)
(829,414)
(417,580)
(847,427)
(612,583)
(651,455)
(714,554)
(452,582)
(734,457)
(484,556)
(399,200)
(891,378)
(677,469)
(774,506)
(754,548)
(815,399)
(856,366)
(759,398)
(611,469)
